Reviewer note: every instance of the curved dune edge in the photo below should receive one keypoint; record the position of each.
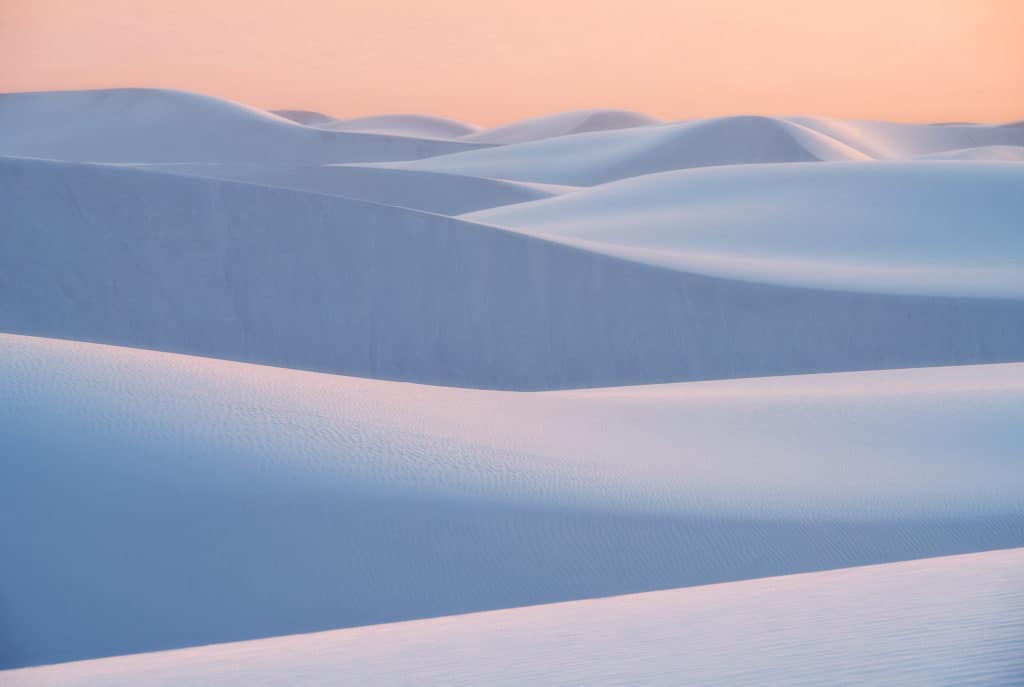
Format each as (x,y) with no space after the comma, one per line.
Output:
(154,125)
(275,276)
(317,501)
(898,227)
(851,626)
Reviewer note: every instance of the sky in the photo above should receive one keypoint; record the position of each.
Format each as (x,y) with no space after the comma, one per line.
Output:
(489,63)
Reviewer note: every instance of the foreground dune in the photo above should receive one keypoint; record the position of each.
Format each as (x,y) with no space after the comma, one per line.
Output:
(953,620)
(156,501)
(283,277)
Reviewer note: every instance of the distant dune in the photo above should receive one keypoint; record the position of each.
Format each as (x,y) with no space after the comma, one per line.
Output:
(416,126)
(599,157)
(991,153)
(563,124)
(142,125)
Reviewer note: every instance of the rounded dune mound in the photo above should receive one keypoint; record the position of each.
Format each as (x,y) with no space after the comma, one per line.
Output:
(594,158)
(425,126)
(562,124)
(149,125)
(414,125)
(306,117)
(896,141)
(897,227)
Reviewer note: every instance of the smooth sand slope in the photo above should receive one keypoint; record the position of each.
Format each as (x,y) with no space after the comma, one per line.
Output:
(912,228)
(562,124)
(894,141)
(446,194)
(148,125)
(955,620)
(282,277)
(156,501)
(598,157)
(416,126)
(419,396)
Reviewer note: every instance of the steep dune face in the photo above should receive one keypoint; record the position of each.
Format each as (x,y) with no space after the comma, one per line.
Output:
(281,277)
(910,228)
(156,501)
(563,124)
(599,157)
(446,194)
(837,627)
(145,125)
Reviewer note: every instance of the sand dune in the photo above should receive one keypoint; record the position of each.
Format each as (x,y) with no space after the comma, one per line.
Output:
(852,627)
(911,228)
(447,194)
(599,157)
(412,125)
(146,125)
(318,501)
(990,153)
(527,280)
(562,124)
(895,141)
(283,277)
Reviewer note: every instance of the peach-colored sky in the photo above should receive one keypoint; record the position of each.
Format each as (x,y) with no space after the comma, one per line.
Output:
(492,62)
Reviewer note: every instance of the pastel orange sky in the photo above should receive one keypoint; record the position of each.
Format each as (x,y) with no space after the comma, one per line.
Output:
(493,62)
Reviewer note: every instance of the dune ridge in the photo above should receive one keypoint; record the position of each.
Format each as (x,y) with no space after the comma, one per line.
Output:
(849,626)
(318,501)
(202,266)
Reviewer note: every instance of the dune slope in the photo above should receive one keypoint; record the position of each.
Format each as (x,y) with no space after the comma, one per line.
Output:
(562,124)
(912,228)
(282,277)
(156,501)
(447,194)
(598,157)
(148,125)
(855,627)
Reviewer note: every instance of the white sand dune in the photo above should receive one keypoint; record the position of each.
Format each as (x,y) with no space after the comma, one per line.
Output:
(953,620)
(147,125)
(156,501)
(895,141)
(562,124)
(282,277)
(412,125)
(911,228)
(989,153)
(537,274)
(446,194)
(602,156)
